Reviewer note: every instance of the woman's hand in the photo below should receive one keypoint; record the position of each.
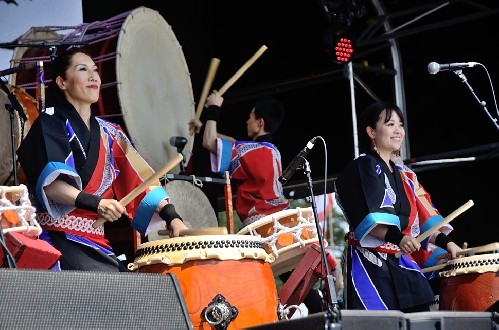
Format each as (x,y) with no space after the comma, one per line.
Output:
(409,244)
(453,249)
(110,209)
(176,226)
(195,125)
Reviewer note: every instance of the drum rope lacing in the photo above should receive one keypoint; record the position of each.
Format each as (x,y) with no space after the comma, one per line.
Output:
(103,30)
(279,229)
(25,212)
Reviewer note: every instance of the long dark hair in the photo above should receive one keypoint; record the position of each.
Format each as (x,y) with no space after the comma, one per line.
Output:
(370,118)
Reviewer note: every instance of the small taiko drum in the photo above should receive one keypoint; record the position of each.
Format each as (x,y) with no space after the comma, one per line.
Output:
(470,284)
(285,235)
(226,280)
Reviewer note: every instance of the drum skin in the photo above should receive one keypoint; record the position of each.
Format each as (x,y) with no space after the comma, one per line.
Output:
(470,284)
(235,267)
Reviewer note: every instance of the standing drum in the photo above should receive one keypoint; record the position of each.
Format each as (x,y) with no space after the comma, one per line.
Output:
(146,84)
(470,284)
(226,280)
(285,235)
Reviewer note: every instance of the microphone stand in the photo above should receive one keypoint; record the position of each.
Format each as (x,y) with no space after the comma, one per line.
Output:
(182,164)
(331,300)
(483,104)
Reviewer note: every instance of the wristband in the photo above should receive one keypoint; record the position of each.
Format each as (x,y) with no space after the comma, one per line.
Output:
(393,235)
(87,201)
(213,112)
(168,213)
(442,240)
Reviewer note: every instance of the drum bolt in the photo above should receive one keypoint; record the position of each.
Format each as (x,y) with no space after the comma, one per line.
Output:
(219,312)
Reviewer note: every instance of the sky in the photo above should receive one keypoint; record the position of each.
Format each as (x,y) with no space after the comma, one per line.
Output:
(15,20)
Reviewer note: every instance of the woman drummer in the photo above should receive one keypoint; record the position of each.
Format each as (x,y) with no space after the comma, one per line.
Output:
(79,166)
(386,209)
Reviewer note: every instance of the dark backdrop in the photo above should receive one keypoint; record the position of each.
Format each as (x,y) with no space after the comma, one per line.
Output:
(444,120)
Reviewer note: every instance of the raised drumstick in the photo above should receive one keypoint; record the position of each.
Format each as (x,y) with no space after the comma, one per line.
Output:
(243,69)
(206,88)
(143,186)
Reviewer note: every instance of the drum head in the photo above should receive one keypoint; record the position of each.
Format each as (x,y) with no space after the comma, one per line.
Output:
(191,204)
(154,87)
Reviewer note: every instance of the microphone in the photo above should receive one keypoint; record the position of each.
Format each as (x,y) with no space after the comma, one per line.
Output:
(296,162)
(13,100)
(434,67)
(179,142)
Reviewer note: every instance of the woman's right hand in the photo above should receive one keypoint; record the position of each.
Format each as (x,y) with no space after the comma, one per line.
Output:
(110,209)
(409,244)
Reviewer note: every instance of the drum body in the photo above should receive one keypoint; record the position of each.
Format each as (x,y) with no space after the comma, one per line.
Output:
(470,284)
(285,235)
(219,275)
(146,84)
(17,127)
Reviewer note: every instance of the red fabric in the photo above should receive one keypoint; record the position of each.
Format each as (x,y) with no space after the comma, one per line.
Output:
(29,252)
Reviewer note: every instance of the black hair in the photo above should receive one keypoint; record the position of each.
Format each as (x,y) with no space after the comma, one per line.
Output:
(272,112)
(370,118)
(58,67)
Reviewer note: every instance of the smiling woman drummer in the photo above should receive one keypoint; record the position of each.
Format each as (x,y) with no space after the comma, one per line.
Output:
(79,166)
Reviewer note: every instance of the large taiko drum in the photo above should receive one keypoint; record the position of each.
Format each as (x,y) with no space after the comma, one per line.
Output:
(286,235)
(226,280)
(470,284)
(146,84)
(18,127)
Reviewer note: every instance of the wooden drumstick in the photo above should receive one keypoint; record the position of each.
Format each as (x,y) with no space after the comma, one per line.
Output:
(439,225)
(240,72)
(484,248)
(206,88)
(197,232)
(143,186)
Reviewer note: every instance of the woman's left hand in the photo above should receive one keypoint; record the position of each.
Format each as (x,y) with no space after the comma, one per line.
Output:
(176,226)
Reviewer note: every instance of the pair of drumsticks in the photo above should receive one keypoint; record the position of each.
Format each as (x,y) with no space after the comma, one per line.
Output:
(172,163)
(211,76)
